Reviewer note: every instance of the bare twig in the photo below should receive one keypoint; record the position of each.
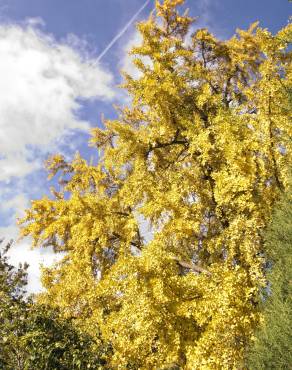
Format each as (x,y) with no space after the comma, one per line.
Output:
(192,266)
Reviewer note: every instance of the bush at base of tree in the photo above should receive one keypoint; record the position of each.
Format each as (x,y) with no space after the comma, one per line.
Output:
(34,337)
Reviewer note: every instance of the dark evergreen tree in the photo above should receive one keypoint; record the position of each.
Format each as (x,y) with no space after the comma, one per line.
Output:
(272,348)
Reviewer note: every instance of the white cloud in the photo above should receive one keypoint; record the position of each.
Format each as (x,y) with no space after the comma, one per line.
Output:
(21,252)
(35,21)
(206,12)
(205,16)
(18,202)
(126,63)
(41,81)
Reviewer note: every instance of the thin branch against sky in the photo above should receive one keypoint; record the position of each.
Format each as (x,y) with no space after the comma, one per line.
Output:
(124,29)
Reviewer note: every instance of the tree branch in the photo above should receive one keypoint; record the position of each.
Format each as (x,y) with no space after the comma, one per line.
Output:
(192,266)
(175,141)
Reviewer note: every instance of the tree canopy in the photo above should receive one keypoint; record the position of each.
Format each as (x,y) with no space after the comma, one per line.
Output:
(201,152)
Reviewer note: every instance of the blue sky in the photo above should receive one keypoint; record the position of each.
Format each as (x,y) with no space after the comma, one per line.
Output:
(53,89)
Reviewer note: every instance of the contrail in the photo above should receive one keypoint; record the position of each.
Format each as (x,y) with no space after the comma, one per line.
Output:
(120,34)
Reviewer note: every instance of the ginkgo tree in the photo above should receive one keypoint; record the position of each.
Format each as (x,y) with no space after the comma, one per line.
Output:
(201,152)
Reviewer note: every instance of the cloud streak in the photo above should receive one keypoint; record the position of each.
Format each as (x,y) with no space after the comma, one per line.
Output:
(121,33)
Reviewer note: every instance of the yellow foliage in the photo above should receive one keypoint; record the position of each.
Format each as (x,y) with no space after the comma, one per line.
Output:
(201,154)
